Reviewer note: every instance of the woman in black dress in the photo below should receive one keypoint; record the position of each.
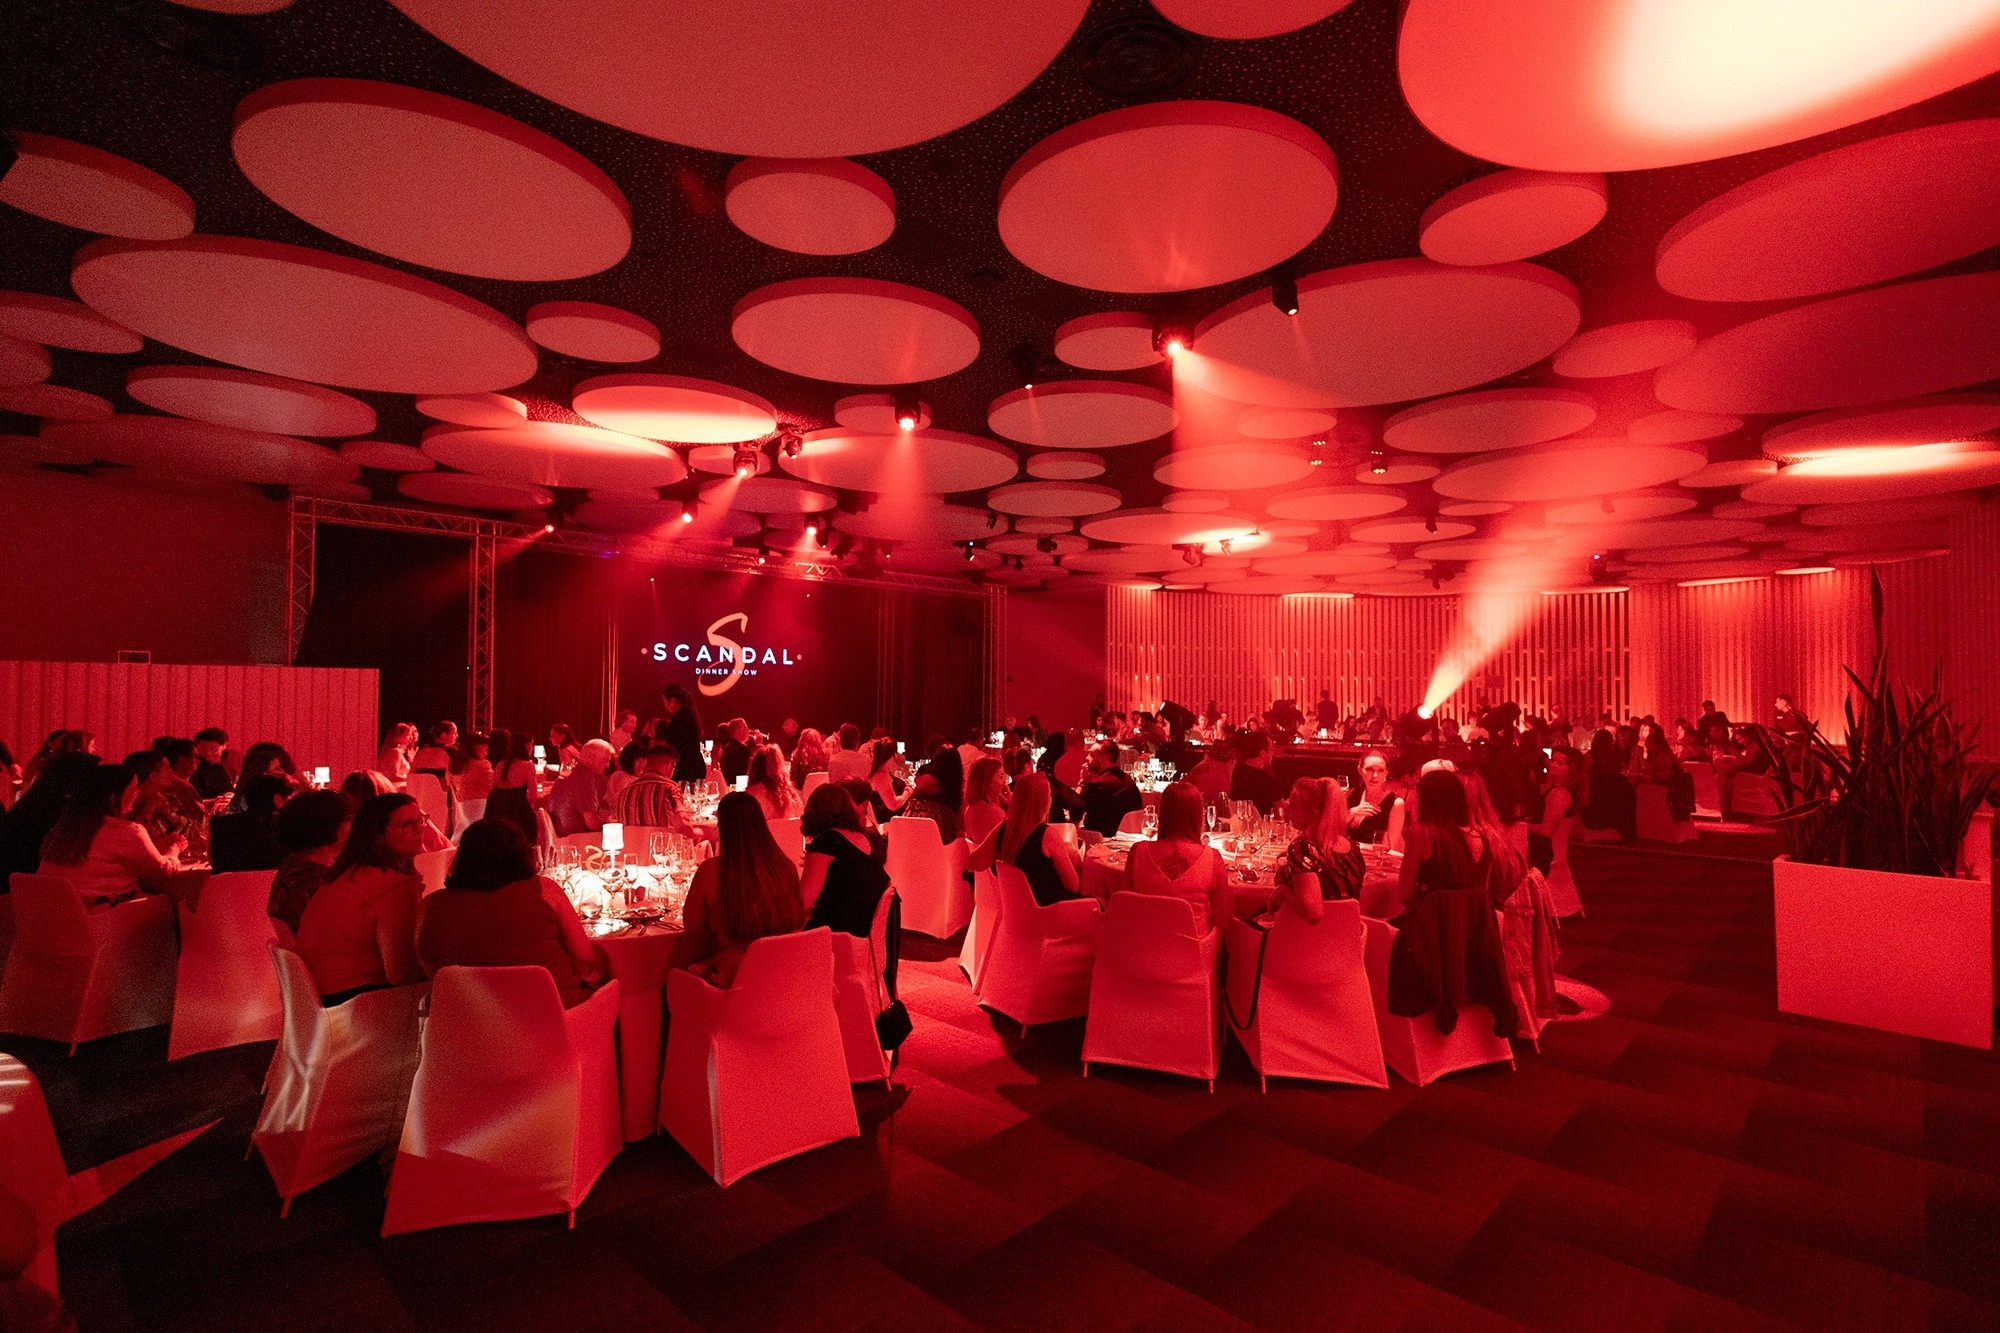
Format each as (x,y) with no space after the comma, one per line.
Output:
(844,879)
(681,728)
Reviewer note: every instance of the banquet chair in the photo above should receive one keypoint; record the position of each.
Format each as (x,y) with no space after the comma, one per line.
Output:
(1038,966)
(1656,821)
(1300,992)
(1707,796)
(430,796)
(545,829)
(339,1081)
(75,975)
(980,928)
(225,993)
(1155,998)
(859,995)
(756,1073)
(588,838)
(31,1168)
(514,1111)
(432,867)
(931,877)
(464,814)
(1416,1048)
(1134,822)
(1754,795)
(812,784)
(792,839)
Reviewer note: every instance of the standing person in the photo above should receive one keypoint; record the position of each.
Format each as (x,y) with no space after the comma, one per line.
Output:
(359,932)
(398,745)
(1610,802)
(732,757)
(471,776)
(682,730)
(787,739)
(748,890)
(211,778)
(96,848)
(1326,714)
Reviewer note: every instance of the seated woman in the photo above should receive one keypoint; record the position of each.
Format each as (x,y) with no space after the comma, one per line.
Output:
(844,878)
(311,828)
(96,848)
(1442,850)
(1323,861)
(985,806)
(495,911)
(1178,863)
(265,758)
(1509,859)
(889,792)
(359,932)
(23,827)
(771,784)
(246,839)
(927,802)
(746,891)
(1379,815)
(471,775)
(510,797)
(1610,806)
(1051,866)
(808,756)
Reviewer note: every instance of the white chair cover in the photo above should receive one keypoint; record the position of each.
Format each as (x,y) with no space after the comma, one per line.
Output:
(514,1110)
(225,992)
(1038,967)
(792,839)
(931,877)
(432,867)
(1707,796)
(980,929)
(338,1084)
(1155,1000)
(545,829)
(812,784)
(756,1073)
(1133,822)
(1563,896)
(1414,1047)
(860,995)
(1314,1014)
(430,799)
(1754,794)
(1656,823)
(31,1164)
(75,975)
(464,815)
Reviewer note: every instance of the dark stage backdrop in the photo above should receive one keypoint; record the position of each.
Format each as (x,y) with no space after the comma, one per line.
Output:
(398,602)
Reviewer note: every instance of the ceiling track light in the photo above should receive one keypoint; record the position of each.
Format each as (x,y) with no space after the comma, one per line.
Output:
(1316,453)
(1170,335)
(1430,520)
(1190,553)
(1027,362)
(909,411)
(1046,545)
(746,459)
(790,443)
(687,515)
(992,519)
(1378,461)
(969,549)
(1285,293)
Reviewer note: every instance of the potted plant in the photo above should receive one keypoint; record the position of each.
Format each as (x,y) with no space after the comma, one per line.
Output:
(1874,927)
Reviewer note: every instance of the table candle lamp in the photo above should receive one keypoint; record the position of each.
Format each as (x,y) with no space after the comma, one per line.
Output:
(322,776)
(614,837)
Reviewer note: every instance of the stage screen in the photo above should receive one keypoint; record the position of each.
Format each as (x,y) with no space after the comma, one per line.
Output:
(759,648)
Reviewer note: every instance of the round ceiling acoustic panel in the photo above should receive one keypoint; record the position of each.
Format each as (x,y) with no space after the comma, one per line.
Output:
(1867,346)
(1624,349)
(21,452)
(430,180)
(1490,419)
(1027,545)
(469,492)
(1898,472)
(1906,511)
(55,403)
(1690,531)
(720,460)
(1731,472)
(1140,559)
(549,453)
(1706,571)
(1945,416)
(474,409)
(1883,208)
(1627,85)
(1265,587)
(1472,508)
(1162,527)
(22,362)
(1244,20)
(1082,414)
(1675,427)
(1117,340)
(1064,466)
(305,314)
(855,331)
(875,412)
(1336,503)
(255,402)
(769,495)
(633,516)
(181,448)
(1405,530)
(387,455)
(933,558)
(674,407)
(1511,214)
(810,206)
(934,462)
(1044,527)
(917,521)
(1023,578)
(592,332)
(1168,196)
(1874,537)
(1196,576)
(353,492)
(1324,564)
(63,323)
(92,190)
(720,524)
(1195,502)
(1398,471)
(1278,423)
(1747,508)
(1621,508)
(1243,466)
(870,77)
(1667,555)
(1053,499)
(1383,332)
(1569,470)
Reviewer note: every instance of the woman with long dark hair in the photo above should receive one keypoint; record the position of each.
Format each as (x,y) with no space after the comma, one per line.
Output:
(95,847)
(1026,842)
(682,730)
(746,891)
(513,777)
(1441,849)
(495,911)
(844,878)
(985,805)
(1610,803)
(36,812)
(359,932)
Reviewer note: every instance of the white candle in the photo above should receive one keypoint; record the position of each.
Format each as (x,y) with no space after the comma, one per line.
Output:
(322,775)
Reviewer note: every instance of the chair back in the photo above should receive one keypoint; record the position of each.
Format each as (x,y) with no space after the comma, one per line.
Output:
(545,828)
(929,875)
(860,993)
(225,993)
(1149,937)
(1755,794)
(1154,1001)
(1655,824)
(812,784)
(49,916)
(301,1015)
(1134,821)
(432,867)
(1301,955)
(1706,795)
(981,928)
(1309,1011)
(430,799)
(791,839)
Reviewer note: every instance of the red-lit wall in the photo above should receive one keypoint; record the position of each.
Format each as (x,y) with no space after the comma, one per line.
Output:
(88,568)
(1054,649)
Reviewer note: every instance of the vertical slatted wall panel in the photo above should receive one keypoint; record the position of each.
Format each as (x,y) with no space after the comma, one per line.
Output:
(323,715)
(1972,619)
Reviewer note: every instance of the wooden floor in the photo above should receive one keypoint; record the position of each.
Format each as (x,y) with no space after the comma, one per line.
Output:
(1690,1160)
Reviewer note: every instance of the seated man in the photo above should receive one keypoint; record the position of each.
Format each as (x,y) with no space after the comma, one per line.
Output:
(1252,779)
(1108,792)
(652,799)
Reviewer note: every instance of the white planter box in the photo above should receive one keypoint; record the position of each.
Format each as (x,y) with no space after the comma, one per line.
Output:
(1902,953)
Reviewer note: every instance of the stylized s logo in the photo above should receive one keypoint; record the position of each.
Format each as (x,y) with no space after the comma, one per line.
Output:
(735,650)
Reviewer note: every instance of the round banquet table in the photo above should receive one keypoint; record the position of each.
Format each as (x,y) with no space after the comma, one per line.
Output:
(31,1165)
(640,958)
(1104,874)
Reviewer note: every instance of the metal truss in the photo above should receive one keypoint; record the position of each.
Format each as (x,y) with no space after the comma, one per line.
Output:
(479,633)
(300,535)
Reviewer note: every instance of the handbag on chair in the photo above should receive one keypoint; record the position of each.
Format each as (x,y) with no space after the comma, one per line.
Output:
(892,1025)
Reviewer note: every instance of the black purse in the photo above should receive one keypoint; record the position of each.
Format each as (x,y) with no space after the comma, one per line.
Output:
(892,1025)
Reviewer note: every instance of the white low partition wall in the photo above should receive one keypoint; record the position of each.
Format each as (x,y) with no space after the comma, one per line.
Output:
(325,716)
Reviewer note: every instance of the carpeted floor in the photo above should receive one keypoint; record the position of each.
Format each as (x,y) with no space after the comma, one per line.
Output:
(1690,1160)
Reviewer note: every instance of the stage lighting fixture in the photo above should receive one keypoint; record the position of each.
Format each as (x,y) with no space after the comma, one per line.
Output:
(790,443)
(746,460)
(908,411)
(1190,553)
(1431,521)
(687,515)
(1170,335)
(547,528)
(969,548)
(992,519)
(1046,545)
(1316,453)
(1378,461)
(1600,568)
(1285,294)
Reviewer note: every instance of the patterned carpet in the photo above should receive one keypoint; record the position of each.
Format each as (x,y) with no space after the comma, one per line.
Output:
(1688,1160)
